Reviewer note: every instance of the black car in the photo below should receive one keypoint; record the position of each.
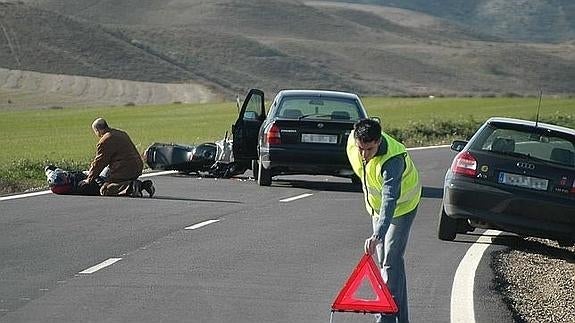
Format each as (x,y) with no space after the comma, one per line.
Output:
(515,176)
(305,132)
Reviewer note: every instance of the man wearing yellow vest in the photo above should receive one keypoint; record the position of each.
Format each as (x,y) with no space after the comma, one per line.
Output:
(392,192)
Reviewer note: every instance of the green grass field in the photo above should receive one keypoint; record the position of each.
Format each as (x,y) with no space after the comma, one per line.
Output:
(66,133)
(63,136)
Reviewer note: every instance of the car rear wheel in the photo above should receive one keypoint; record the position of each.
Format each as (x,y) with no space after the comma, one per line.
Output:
(447,227)
(255,169)
(264,176)
(463,226)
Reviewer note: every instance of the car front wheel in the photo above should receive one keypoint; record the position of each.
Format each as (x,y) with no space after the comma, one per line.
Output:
(447,227)
(264,176)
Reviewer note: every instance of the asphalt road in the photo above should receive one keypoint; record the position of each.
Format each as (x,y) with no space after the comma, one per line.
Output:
(257,259)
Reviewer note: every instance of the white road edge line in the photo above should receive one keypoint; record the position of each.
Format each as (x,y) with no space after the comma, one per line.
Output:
(167,172)
(289,199)
(21,196)
(101,265)
(428,147)
(201,224)
(462,306)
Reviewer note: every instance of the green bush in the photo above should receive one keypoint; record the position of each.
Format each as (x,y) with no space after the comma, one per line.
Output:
(435,132)
(565,120)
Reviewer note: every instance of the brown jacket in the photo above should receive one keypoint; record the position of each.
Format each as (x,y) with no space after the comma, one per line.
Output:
(116,150)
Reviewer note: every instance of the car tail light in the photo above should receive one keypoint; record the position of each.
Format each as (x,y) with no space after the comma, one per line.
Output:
(464,164)
(273,136)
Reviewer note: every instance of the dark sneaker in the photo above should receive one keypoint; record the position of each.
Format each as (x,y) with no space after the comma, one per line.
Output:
(148,186)
(136,189)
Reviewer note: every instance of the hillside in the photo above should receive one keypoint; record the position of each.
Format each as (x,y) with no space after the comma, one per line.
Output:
(25,90)
(520,20)
(512,20)
(232,45)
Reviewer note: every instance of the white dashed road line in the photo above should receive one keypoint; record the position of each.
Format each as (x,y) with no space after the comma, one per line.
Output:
(201,224)
(462,307)
(296,197)
(101,265)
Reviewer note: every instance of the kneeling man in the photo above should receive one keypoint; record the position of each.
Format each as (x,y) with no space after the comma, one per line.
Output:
(116,150)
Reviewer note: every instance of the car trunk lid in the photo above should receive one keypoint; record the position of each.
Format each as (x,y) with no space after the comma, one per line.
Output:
(314,132)
(523,173)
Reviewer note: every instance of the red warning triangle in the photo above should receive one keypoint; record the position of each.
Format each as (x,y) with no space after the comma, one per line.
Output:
(348,301)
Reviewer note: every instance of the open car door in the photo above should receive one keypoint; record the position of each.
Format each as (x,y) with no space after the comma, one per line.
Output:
(246,128)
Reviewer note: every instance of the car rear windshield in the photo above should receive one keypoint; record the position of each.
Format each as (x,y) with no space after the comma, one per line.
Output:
(529,142)
(324,108)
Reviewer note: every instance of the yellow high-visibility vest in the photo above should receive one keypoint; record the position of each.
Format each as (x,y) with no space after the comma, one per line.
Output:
(372,179)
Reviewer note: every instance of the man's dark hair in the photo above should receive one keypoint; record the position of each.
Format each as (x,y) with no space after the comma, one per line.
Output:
(367,130)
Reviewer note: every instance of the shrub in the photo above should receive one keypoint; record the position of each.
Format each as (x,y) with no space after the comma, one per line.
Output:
(435,132)
(566,120)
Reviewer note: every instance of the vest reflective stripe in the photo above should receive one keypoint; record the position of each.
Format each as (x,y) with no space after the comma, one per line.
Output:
(372,179)
(415,191)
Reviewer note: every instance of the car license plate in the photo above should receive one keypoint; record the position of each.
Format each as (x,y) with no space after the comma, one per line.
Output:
(319,139)
(523,181)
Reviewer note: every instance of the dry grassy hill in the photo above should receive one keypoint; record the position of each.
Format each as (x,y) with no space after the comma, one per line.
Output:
(232,45)
(25,90)
(45,41)
(522,20)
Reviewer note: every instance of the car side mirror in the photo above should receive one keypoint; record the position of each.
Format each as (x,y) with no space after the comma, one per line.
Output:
(378,119)
(458,145)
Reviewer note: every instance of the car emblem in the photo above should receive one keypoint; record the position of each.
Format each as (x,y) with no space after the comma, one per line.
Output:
(320,125)
(525,165)
(484,168)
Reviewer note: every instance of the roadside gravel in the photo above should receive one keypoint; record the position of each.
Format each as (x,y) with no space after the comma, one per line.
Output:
(537,280)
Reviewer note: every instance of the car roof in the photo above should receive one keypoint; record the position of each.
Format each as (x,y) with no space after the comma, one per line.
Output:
(337,94)
(531,124)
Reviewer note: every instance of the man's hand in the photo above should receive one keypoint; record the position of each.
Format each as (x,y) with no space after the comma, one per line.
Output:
(369,246)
